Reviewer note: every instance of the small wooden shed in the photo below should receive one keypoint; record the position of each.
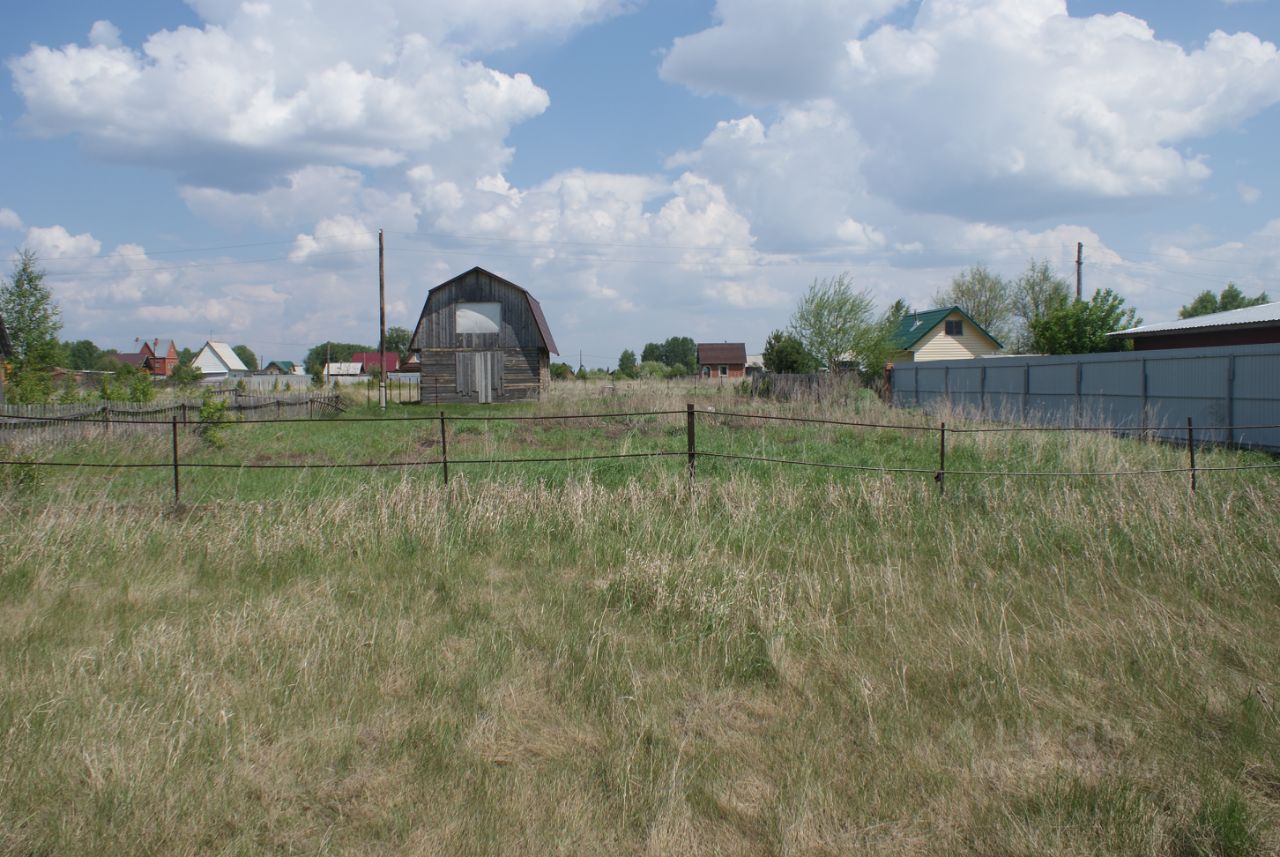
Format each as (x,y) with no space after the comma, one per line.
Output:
(482,339)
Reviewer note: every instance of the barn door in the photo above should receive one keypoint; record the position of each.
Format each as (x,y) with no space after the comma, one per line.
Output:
(484,377)
(479,375)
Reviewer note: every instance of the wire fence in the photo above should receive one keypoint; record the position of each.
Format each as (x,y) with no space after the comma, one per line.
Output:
(689,451)
(69,420)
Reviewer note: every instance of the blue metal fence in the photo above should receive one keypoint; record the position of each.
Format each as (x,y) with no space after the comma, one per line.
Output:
(1231,394)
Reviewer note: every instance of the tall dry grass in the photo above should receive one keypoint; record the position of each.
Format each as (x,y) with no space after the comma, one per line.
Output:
(762,663)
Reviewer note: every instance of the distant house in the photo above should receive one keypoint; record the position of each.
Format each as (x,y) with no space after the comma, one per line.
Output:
(347,370)
(482,339)
(941,334)
(282,367)
(1255,325)
(755,365)
(157,357)
(215,361)
(368,361)
(722,359)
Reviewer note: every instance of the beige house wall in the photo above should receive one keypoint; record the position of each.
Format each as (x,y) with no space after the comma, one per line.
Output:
(937,345)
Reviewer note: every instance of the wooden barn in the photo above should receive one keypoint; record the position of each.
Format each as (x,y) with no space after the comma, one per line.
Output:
(482,339)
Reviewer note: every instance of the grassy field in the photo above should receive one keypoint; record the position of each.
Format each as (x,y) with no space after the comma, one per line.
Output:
(598,658)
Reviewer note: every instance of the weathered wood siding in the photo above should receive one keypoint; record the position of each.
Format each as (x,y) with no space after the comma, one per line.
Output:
(519,368)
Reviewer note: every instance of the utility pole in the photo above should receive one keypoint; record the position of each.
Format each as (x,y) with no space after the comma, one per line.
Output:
(1079,270)
(382,327)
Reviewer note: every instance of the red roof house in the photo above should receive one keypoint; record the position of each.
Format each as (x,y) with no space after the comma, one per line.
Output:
(157,356)
(722,359)
(368,360)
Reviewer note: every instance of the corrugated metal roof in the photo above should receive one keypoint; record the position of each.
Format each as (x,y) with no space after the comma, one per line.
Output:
(722,352)
(1261,315)
(915,325)
(227,356)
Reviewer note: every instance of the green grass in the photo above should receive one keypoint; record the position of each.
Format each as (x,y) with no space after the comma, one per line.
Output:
(604,660)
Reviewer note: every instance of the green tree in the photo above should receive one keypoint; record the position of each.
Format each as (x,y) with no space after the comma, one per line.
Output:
(833,320)
(561,372)
(1230,298)
(184,375)
(986,297)
(82,354)
(247,357)
(1036,293)
(785,353)
(627,364)
(680,351)
(185,356)
(651,369)
(32,320)
(674,350)
(398,341)
(141,388)
(1081,327)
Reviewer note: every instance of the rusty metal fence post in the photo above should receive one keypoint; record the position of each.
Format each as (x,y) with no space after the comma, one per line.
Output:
(444,450)
(941,476)
(1191,453)
(690,430)
(177,492)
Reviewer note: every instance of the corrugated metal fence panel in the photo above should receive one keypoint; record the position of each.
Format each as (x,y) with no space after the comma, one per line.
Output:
(1196,387)
(1111,394)
(1005,386)
(1256,399)
(904,381)
(1223,390)
(1051,394)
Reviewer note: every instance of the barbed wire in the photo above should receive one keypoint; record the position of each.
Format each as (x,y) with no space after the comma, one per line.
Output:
(951,429)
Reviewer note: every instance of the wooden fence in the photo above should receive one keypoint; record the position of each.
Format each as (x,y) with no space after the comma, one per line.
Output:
(78,418)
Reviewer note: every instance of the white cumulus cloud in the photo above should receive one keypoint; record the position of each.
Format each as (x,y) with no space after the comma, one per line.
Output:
(999,108)
(262,90)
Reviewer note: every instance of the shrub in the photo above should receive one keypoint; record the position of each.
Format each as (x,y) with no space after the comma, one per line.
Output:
(19,475)
(141,389)
(215,413)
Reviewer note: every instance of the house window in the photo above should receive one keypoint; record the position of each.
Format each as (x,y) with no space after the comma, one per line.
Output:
(478,318)
(955,328)
(724,370)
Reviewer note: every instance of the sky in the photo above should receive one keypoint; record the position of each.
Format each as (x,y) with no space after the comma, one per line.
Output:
(646,168)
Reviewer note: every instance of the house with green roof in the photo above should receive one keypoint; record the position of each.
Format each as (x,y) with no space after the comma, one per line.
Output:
(281,367)
(941,334)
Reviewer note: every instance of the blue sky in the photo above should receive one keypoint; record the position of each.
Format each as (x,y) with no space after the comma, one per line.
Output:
(219,168)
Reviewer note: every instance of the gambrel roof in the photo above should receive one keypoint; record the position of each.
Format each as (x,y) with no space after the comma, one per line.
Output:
(535,308)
